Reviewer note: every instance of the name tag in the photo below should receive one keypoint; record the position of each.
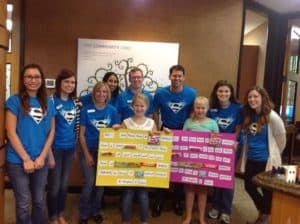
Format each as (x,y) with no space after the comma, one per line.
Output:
(91,110)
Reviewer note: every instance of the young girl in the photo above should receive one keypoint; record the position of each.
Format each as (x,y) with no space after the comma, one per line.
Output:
(137,122)
(225,110)
(30,130)
(264,141)
(198,122)
(63,145)
(93,117)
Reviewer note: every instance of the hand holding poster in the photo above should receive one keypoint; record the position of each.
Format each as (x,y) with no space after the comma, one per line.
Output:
(203,158)
(133,158)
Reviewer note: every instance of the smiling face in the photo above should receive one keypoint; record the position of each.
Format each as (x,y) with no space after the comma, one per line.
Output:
(32,80)
(68,85)
(223,94)
(112,82)
(100,95)
(139,107)
(200,109)
(254,100)
(136,80)
(176,78)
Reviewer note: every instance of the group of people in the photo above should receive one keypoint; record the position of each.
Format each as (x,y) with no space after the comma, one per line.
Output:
(42,135)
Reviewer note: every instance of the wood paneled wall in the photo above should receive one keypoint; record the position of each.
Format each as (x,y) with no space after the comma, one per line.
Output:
(208,31)
(3,48)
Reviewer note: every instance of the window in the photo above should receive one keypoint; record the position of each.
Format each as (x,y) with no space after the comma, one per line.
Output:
(9,24)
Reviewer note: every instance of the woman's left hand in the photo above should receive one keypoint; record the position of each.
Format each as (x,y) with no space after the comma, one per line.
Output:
(39,163)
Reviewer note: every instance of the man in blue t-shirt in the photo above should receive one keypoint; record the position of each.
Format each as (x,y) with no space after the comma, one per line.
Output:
(136,79)
(174,103)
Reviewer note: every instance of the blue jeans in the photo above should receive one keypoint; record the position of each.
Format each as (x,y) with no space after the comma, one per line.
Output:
(222,197)
(127,200)
(91,196)
(58,182)
(28,188)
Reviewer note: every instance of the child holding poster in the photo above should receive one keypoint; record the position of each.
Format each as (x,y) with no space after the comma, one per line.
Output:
(138,121)
(198,121)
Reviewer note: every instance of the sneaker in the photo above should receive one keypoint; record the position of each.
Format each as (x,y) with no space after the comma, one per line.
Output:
(225,219)
(213,213)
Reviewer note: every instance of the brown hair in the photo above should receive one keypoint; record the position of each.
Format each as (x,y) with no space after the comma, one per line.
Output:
(64,74)
(41,93)
(214,101)
(249,113)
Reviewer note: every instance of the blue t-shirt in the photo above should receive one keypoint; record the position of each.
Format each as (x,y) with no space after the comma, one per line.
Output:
(258,143)
(94,119)
(32,128)
(227,118)
(175,108)
(64,124)
(124,103)
(88,99)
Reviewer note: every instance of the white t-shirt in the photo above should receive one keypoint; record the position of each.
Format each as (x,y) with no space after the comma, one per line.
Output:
(146,126)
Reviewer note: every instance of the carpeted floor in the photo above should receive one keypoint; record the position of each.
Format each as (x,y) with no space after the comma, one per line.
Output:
(243,209)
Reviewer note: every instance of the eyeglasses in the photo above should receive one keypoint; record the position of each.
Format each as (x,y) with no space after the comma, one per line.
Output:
(29,77)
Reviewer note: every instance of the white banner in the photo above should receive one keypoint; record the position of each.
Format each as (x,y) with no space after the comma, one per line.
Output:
(96,57)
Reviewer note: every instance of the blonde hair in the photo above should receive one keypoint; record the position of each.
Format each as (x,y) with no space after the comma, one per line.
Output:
(98,86)
(142,97)
(200,100)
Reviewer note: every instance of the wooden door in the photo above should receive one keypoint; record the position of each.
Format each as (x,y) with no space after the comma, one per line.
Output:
(248,69)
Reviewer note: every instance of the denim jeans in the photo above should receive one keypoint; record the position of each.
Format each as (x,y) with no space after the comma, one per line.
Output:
(28,188)
(58,182)
(222,197)
(91,196)
(127,200)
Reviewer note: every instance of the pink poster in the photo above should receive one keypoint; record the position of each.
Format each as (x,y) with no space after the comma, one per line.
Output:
(203,158)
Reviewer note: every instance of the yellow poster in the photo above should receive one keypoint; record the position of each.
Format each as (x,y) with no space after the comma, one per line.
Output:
(133,158)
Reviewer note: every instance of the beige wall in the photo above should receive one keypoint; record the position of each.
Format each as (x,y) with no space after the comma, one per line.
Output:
(259,37)
(208,32)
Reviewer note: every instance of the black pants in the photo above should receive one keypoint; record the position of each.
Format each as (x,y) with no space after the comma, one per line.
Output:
(177,195)
(262,200)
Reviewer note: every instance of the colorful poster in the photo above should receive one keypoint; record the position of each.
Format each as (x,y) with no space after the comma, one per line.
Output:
(203,158)
(134,158)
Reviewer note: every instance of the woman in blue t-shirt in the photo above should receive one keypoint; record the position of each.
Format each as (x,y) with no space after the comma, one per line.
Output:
(263,142)
(225,110)
(30,128)
(112,80)
(93,117)
(63,145)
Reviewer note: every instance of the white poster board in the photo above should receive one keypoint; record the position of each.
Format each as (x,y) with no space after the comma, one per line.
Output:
(96,57)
